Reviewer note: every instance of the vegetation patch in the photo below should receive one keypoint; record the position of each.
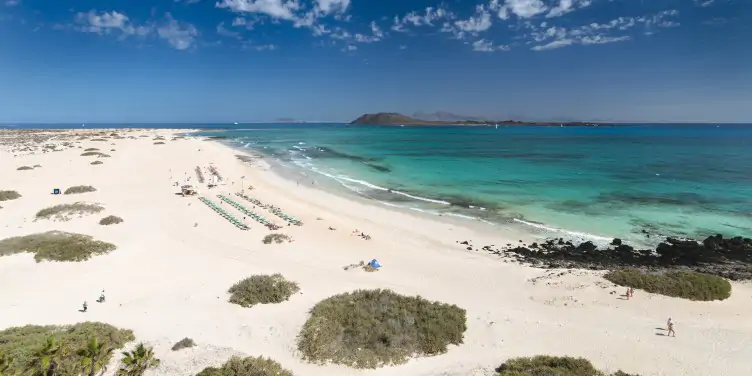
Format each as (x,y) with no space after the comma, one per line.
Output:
(276,238)
(544,365)
(159,143)
(373,328)
(97,163)
(25,168)
(79,189)
(26,347)
(37,166)
(56,246)
(95,154)
(262,289)
(183,344)
(98,139)
(680,284)
(91,149)
(110,220)
(63,212)
(9,195)
(250,366)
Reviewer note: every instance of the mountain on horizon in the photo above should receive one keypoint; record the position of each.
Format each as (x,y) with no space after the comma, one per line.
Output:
(445,116)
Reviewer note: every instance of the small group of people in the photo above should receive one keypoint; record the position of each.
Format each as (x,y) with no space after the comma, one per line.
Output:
(100,300)
(669,324)
(361,234)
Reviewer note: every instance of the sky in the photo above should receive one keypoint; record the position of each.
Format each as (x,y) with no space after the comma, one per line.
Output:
(207,61)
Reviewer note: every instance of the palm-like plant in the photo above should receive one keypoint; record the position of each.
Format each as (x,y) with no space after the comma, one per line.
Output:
(137,361)
(5,363)
(44,360)
(94,356)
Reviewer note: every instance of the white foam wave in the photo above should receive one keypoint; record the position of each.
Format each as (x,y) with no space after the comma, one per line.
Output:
(583,235)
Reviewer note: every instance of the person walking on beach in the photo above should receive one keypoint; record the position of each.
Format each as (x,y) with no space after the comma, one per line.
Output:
(670,328)
(86,306)
(628,294)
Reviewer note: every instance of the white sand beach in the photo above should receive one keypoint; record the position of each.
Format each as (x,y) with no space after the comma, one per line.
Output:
(176,258)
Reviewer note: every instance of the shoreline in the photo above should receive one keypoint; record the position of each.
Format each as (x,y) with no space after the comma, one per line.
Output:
(176,259)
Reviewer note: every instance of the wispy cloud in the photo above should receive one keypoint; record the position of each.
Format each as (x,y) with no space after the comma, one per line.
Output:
(180,35)
(426,18)
(12,3)
(483,45)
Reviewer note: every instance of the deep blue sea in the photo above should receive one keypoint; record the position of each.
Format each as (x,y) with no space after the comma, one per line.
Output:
(631,181)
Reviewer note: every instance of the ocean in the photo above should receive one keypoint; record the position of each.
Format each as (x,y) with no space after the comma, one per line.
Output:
(637,182)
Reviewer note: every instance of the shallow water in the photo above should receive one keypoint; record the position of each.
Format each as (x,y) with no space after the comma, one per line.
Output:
(595,182)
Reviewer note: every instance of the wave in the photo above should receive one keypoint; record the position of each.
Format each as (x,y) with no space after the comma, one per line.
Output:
(574,234)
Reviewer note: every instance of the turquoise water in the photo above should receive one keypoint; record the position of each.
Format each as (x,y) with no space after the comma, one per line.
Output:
(635,182)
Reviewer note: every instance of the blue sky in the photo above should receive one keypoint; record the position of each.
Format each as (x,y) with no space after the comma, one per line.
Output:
(258,60)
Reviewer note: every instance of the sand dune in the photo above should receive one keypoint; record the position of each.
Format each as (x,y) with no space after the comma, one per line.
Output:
(175,260)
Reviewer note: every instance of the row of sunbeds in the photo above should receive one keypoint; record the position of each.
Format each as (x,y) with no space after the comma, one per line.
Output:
(272,209)
(238,223)
(249,213)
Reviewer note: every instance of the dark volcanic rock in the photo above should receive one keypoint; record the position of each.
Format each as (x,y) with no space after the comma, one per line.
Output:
(729,258)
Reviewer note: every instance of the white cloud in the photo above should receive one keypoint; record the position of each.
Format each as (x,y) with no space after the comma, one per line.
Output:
(704,3)
(481,21)
(330,6)
(429,16)
(108,23)
(274,8)
(483,45)
(351,47)
(555,44)
(266,47)
(225,32)
(179,35)
(520,8)
(11,3)
(376,30)
(600,39)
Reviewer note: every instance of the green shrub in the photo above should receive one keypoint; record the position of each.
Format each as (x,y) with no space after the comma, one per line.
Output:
(9,195)
(183,344)
(25,168)
(56,246)
(79,189)
(98,139)
(262,289)
(250,366)
(63,212)
(110,220)
(37,166)
(95,154)
(372,328)
(159,143)
(544,365)
(91,149)
(20,343)
(276,238)
(681,284)
(97,163)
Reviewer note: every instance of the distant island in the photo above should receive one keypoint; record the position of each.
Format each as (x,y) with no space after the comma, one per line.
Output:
(393,118)
(288,120)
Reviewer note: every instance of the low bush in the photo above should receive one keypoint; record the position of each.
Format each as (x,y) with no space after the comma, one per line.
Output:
(56,246)
(91,149)
(159,143)
(63,212)
(250,366)
(110,220)
(25,168)
(37,166)
(262,289)
(9,195)
(276,238)
(79,189)
(681,284)
(183,344)
(21,343)
(372,328)
(98,139)
(97,163)
(544,365)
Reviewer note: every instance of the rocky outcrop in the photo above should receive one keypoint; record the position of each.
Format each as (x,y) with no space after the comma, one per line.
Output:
(729,258)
